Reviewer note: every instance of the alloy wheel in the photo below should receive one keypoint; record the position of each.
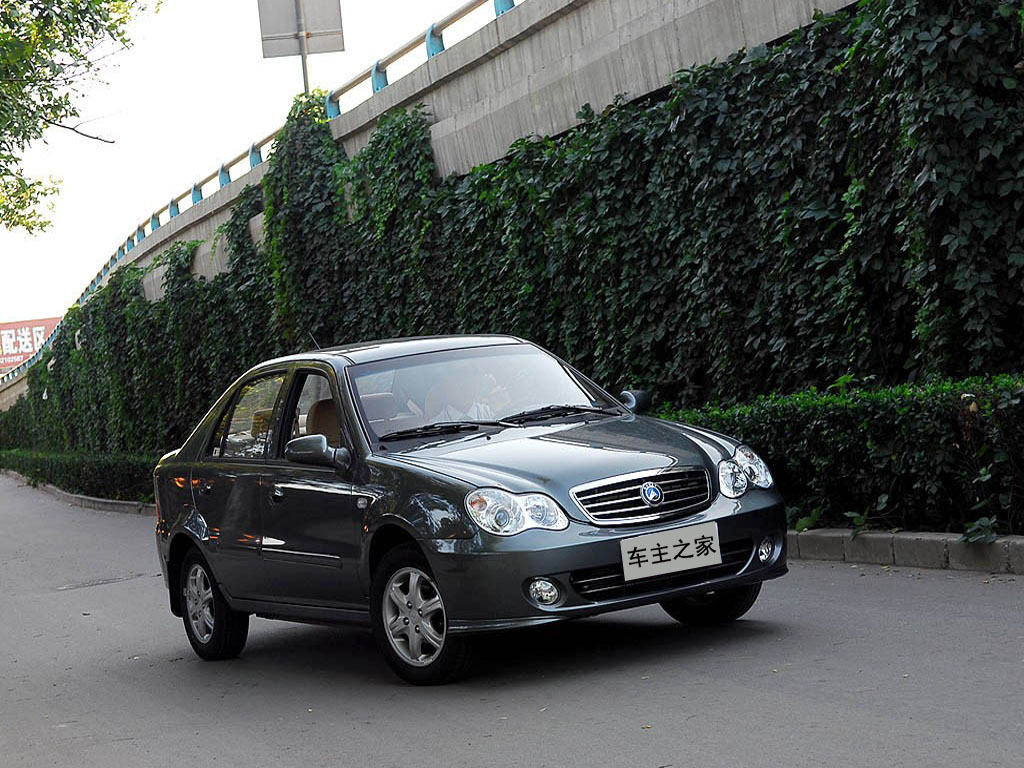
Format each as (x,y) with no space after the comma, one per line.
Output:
(199,602)
(414,617)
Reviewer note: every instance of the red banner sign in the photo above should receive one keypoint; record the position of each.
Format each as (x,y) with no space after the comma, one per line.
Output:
(19,341)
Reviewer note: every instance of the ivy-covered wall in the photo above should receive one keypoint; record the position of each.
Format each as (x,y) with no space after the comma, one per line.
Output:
(846,202)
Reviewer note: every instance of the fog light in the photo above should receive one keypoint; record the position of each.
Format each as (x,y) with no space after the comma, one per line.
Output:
(766,548)
(544,592)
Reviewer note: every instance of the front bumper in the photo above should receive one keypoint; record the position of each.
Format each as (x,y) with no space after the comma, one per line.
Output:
(484,580)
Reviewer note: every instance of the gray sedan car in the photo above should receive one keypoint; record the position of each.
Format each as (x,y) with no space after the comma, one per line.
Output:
(434,488)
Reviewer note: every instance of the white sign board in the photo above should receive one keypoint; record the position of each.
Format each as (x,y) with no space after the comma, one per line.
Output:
(279,26)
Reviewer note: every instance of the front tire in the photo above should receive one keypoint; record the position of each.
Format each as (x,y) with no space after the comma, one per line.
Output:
(409,621)
(213,629)
(714,608)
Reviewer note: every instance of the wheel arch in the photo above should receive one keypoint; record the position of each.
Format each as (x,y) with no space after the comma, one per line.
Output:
(179,547)
(385,538)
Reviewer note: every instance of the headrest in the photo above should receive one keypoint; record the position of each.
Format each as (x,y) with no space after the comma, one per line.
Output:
(380,406)
(322,419)
(261,422)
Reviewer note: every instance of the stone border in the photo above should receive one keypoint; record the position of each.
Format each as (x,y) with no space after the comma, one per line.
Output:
(908,549)
(88,502)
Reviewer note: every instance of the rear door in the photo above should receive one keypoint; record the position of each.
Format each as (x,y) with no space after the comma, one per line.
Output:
(227,481)
(311,520)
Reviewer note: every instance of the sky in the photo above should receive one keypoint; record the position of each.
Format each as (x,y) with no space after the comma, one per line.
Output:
(192,92)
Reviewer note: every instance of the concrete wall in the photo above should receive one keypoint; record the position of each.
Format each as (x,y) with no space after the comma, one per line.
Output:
(531,70)
(527,72)
(11,391)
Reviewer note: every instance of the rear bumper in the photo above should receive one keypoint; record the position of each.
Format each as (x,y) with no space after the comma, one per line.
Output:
(484,580)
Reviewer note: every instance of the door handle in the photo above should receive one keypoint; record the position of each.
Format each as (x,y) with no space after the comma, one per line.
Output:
(277,494)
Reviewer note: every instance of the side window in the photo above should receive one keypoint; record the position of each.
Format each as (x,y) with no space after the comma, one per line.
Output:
(315,412)
(249,429)
(217,439)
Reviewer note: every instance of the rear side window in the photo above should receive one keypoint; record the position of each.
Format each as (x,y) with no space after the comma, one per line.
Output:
(249,430)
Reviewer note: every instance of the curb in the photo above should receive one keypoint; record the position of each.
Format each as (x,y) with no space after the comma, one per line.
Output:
(88,502)
(908,549)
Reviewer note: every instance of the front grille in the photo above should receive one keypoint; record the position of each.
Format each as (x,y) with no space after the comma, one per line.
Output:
(606,582)
(617,500)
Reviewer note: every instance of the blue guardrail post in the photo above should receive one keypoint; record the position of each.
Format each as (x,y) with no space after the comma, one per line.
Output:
(503,6)
(331,107)
(255,158)
(435,42)
(378,77)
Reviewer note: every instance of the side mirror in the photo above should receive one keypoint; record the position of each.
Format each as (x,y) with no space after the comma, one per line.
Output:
(314,450)
(636,400)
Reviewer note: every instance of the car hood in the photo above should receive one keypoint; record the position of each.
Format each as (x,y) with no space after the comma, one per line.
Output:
(555,458)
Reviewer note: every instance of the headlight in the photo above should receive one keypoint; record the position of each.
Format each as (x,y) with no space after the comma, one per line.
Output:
(732,479)
(755,469)
(744,469)
(506,514)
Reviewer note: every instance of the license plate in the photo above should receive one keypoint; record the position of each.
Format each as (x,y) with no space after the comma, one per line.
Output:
(671,551)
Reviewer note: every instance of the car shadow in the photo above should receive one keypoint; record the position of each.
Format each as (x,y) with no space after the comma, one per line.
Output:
(293,653)
(578,647)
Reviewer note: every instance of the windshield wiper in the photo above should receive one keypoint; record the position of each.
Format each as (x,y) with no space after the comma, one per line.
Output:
(443,428)
(551,411)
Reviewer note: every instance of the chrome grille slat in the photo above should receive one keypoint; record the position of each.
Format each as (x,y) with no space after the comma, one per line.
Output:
(618,500)
(670,497)
(630,497)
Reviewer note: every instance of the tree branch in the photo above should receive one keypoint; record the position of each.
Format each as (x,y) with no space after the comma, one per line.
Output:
(74,129)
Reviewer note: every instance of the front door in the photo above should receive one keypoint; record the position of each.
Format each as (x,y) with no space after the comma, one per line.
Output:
(227,484)
(310,519)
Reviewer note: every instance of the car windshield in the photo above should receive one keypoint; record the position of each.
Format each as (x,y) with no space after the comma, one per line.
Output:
(461,387)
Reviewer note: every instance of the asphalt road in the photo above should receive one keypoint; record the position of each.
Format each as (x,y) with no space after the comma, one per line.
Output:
(835,665)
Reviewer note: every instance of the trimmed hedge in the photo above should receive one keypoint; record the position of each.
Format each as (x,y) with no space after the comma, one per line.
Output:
(126,478)
(931,457)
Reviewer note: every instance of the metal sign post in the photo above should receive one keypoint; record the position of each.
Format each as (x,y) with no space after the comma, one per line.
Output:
(300,28)
(300,24)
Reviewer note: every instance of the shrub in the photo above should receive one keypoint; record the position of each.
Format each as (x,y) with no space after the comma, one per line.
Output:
(106,476)
(930,457)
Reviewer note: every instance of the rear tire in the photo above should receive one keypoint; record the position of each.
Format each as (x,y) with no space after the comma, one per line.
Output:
(213,629)
(714,608)
(409,620)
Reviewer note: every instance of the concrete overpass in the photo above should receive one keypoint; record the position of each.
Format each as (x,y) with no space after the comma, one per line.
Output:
(527,71)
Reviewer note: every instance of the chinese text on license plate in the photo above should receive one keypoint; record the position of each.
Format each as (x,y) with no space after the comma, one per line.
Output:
(678,549)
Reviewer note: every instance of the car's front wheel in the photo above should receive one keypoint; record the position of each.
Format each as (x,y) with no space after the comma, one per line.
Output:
(214,630)
(718,607)
(409,621)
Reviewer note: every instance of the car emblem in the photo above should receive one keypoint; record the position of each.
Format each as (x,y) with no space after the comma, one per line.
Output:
(652,494)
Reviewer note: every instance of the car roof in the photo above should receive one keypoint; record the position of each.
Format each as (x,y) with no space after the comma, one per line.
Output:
(385,349)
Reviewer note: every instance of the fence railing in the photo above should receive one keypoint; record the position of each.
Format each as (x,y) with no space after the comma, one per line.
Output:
(376,75)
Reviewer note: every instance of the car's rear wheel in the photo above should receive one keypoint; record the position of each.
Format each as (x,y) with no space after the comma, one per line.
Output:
(214,630)
(409,620)
(718,607)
